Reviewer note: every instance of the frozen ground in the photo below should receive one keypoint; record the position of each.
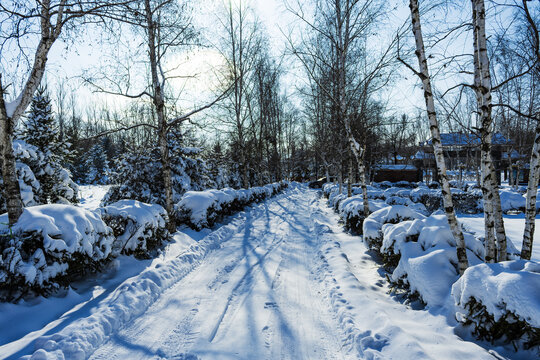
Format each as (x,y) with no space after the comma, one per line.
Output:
(279,281)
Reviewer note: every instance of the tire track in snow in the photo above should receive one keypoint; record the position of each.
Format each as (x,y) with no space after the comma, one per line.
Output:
(242,289)
(136,295)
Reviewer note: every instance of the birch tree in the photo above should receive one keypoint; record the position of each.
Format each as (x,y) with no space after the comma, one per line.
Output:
(494,224)
(424,76)
(534,164)
(165,27)
(40,22)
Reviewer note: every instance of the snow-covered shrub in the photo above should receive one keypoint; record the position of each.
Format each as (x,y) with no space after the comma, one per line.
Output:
(512,201)
(421,254)
(352,212)
(392,214)
(434,185)
(49,246)
(139,175)
(201,209)
(138,227)
(383,184)
(405,184)
(464,201)
(501,302)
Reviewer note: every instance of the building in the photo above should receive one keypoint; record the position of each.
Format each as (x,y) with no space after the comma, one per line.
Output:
(395,173)
(462,154)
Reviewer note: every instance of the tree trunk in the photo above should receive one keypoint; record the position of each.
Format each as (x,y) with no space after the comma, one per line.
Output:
(349,184)
(494,224)
(49,34)
(532,188)
(159,103)
(12,192)
(435,133)
(511,171)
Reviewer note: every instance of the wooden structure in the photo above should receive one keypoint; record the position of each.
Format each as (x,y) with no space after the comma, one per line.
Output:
(395,173)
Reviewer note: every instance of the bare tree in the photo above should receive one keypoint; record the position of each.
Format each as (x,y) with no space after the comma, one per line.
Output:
(341,29)
(240,47)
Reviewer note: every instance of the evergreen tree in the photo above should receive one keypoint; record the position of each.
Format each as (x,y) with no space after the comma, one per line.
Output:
(41,132)
(138,173)
(40,128)
(97,164)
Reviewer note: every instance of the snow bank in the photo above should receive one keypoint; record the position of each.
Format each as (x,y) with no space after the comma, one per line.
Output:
(50,243)
(138,227)
(501,301)
(131,299)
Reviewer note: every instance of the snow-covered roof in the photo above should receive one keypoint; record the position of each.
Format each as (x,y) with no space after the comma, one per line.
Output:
(456,138)
(421,154)
(514,154)
(396,167)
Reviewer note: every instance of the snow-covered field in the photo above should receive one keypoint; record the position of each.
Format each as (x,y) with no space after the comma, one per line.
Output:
(280,280)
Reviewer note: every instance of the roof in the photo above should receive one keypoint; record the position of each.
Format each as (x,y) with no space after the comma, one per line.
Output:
(462,139)
(396,167)
(421,154)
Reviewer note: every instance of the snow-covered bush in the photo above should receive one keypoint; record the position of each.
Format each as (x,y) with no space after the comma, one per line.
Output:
(139,175)
(138,227)
(464,201)
(201,209)
(501,302)
(352,212)
(392,214)
(421,254)
(512,201)
(49,246)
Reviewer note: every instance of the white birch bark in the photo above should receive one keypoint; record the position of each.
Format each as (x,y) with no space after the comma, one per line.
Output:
(436,136)
(8,121)
(494,224)
(343,38)
(349,184)
(532,188)
(159,104)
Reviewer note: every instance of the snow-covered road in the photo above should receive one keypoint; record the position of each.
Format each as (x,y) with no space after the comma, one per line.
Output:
(290,284)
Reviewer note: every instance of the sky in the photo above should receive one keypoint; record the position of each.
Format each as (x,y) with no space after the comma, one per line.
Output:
(86,53)
(70,61)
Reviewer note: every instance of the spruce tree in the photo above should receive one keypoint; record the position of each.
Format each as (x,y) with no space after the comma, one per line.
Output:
(40,130)
(97,164)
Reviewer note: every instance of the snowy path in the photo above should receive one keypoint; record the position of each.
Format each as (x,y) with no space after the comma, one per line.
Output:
(290,284)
